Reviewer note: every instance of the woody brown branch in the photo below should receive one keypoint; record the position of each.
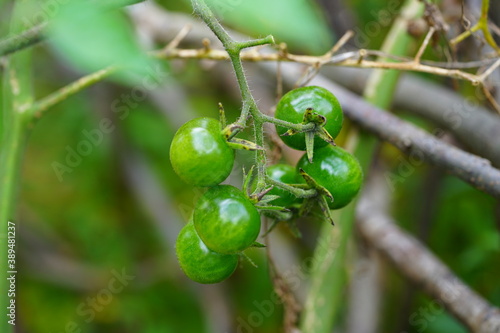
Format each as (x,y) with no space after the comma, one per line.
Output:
(419,264)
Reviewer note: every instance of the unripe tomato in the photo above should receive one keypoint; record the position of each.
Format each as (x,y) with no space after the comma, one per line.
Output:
(199,153)
(284,173)
(336,170)
(293,105)
(199,263)
(226,220)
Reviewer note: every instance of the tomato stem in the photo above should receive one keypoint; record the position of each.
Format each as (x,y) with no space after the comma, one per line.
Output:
(249,107)
(298,192)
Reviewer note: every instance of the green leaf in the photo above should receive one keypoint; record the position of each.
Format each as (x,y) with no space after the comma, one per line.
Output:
(295,22)
(92,35)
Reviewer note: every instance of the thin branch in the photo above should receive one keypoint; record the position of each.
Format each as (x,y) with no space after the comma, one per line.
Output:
(424,45)
(347,59)
(23,40)
(36,34)
(313,70)
(482,24)
(178,38)
(420,265)
(490,70)
(249,106)
(490,98)
(40,107)
(341,42)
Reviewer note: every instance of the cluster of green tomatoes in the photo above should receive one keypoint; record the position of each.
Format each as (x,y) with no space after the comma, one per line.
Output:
(226,220)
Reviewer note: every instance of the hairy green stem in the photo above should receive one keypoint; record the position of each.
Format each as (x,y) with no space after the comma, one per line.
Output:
(260,156)
(23,40)
(329,272)
(298,192)
(41,106)
(250,107)
(287,124)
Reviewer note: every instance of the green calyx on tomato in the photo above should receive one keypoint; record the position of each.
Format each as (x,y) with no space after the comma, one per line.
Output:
(229,131)
(305,105)
(200,154)
(226,220)
(198,262)
(337,171)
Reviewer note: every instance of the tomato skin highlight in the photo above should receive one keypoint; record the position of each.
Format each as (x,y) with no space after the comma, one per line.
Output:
(198,262)
(284,173)
(336,170)
(199,153)
(226,220)
(293,105)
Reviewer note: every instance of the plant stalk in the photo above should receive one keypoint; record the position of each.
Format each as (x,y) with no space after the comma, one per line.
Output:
(249,107)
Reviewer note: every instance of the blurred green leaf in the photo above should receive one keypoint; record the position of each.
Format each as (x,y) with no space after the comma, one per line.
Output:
(295,22)
(153,314)
(445,323)
(92,35)
(38,298)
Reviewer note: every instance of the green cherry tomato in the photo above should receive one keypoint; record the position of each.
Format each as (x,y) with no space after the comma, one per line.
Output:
(198,262)
(284,173)
(199,153)
(293,105)
(336,170)
(226,220)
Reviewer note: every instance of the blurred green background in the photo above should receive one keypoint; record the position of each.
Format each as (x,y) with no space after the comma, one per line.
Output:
(117,211)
